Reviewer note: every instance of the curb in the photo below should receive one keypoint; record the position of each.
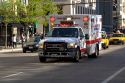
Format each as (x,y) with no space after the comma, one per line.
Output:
(11,50)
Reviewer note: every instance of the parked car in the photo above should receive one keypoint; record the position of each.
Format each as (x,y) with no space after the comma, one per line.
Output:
(31,44)
(117,38)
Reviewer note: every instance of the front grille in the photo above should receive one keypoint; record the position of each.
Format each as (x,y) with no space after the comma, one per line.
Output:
(115,39)
(54,46)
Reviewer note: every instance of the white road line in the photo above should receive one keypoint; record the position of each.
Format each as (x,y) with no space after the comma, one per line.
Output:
(114,75)
(13,75)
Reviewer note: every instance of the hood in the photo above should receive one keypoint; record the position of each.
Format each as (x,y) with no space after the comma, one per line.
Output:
(31,43)
(59,39)
(116,38)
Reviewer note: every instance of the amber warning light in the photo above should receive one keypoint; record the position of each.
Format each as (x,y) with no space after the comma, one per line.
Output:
(85,18)
(66,23)
(52,18)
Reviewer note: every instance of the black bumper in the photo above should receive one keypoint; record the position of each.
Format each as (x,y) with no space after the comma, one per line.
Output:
(57,54)
(116,42)
(31,48)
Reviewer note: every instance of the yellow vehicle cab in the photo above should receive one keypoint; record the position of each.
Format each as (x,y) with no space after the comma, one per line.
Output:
(117,38)
(105,40)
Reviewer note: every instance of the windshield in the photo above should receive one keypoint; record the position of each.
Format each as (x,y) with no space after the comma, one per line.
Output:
(63,32)
(117,35)
(37,39)
(34,39)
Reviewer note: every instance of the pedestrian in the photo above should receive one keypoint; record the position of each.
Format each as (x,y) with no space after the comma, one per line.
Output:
(14,40)
(9,41)
(23,38)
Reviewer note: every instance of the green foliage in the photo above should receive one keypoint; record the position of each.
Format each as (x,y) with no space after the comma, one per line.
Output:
(36,10)
(7,12)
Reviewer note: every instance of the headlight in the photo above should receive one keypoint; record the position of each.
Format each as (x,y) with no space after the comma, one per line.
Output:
(71,45)
(37,45)
(41,45)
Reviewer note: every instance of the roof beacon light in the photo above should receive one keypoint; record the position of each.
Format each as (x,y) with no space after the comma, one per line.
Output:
(69,19)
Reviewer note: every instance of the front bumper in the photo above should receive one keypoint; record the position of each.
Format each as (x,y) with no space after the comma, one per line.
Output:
(57,54)
(116,41)
(30,48)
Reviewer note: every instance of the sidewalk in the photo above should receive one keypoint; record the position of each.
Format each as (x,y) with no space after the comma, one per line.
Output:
(18,49)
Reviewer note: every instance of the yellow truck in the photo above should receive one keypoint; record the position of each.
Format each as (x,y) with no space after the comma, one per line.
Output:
(117,38)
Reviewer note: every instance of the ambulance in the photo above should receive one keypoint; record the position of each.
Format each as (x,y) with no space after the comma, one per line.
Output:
(71,36)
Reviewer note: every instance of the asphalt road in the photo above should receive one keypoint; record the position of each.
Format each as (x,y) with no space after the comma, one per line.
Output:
(26,68)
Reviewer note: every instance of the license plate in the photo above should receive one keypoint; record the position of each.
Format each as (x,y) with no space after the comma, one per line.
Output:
(30,47)
(115,41)
(54,54)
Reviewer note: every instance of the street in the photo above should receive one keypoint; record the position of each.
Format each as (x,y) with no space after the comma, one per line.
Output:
(25,68)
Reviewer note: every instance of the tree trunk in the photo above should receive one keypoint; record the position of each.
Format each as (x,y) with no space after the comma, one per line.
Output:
(6,35)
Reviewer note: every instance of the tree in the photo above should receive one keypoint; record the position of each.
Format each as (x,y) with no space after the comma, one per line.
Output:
(37,10)
(7,13)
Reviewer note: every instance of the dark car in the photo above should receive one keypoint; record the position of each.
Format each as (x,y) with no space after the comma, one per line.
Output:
(31,44)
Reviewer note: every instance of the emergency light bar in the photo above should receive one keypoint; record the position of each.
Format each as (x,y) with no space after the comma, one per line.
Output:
(60,25)
(69,19)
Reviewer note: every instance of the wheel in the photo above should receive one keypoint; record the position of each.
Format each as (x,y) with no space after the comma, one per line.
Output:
(42,59)
(96,54)
(122,42)
(24,50)
(77,56)
(104,46)
(32,51)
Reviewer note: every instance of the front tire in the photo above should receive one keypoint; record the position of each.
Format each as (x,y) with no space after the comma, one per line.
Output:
(24,50)
(42,59)
(77,56)
(104,46)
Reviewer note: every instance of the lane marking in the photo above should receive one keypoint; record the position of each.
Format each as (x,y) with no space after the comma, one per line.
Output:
(114,75)
(13,75)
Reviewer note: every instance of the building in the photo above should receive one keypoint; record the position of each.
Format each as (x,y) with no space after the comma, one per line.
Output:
(77,6)
(119,14)
(101,7)
(105,8)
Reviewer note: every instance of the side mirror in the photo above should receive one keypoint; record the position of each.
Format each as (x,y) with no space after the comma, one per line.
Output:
(86,36)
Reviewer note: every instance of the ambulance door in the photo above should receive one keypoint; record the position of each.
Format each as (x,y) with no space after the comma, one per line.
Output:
(82,41)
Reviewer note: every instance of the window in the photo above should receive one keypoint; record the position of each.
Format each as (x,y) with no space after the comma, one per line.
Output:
(63,32)
(81,33)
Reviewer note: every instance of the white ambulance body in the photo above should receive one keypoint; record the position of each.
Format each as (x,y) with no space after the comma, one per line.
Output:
(87,41)
(91,25)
